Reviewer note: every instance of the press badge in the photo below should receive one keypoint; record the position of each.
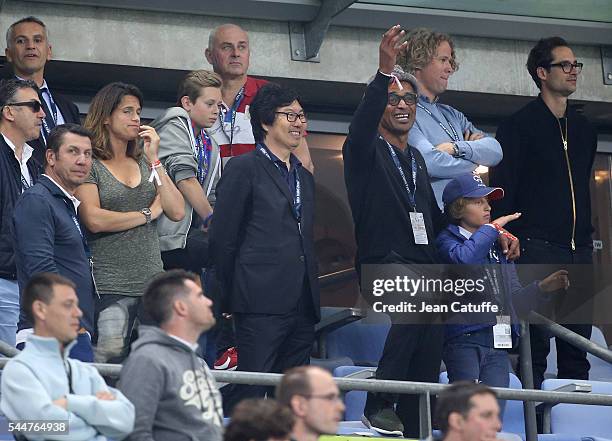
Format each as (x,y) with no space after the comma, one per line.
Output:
(418,228)
(502,333)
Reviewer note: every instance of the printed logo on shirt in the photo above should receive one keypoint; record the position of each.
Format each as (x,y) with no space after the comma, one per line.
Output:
(195,391)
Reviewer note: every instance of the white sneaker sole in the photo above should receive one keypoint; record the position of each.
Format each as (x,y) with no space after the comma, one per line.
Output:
(367,423)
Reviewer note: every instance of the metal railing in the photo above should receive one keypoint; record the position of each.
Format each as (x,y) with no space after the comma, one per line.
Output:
(424,390)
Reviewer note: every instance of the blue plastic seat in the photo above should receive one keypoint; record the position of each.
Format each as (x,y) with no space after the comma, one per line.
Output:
(579,419)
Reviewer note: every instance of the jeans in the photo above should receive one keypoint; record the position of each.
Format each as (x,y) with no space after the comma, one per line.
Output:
(116,321)
(9,310)
(472,357)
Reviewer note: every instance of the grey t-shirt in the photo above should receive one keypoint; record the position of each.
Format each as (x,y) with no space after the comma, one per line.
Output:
(126,260)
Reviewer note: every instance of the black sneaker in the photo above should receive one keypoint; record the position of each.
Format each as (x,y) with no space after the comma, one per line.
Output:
(384,421)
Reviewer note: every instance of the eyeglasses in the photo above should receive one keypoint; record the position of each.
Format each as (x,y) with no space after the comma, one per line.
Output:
(34,105)
(409,98)
(567,67)
(292,116)
(327,397)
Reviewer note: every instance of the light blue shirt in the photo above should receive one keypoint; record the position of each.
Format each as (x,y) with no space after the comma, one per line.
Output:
(37,376)
(427,133)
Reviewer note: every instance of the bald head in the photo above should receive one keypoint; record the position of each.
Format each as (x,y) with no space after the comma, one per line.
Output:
(313,397)
(228,51)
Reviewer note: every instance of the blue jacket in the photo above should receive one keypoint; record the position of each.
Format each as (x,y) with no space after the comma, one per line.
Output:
(40,374)
(47,240)
(454,248)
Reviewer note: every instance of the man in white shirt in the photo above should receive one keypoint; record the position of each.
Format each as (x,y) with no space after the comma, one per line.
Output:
(21,117)
(28,49)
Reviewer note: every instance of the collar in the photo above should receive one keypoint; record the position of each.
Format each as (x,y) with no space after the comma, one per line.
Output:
(547,109)
(25,155)
(49,346)
(250,87)
(425,100)
(44,84)
(192,346)
(293,160)
(61,191)
(465,233)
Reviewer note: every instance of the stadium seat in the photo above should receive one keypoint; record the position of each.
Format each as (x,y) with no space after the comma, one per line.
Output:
(600,370)
(354,400)
(577,419)
(361,341)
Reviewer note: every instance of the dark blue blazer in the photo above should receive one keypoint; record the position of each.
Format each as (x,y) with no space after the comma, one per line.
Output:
(256,247)
(47,240)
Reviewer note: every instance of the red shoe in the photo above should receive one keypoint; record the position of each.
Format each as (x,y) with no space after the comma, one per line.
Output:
(228,361)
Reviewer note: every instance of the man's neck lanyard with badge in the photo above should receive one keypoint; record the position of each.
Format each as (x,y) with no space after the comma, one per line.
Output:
(452,133)
(416,219)
(77,224)
(502,330)
(25,184)
(53,107)
(297,199)
(228,118)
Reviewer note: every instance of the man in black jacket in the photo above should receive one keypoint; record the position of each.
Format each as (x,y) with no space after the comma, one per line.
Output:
(261,242)
(396,221)
(28,49)
(549,151)
(20,120)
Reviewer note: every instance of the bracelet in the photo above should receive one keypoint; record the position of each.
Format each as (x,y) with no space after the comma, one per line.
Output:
(503,232)
(154,175)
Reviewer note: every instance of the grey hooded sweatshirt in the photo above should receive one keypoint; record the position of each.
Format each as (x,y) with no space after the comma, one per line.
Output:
(175,396)
(176,152)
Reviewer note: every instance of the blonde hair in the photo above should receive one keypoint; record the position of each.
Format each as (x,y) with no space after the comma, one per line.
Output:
(194,81)
(102,106)
(422,46)
(456,209)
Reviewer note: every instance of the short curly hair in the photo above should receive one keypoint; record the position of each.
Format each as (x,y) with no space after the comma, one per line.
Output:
(421,49)
(541,56)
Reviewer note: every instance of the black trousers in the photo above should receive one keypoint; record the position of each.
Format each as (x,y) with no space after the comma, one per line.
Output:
(411,353)
(270,343)
(194,257)
(538,259)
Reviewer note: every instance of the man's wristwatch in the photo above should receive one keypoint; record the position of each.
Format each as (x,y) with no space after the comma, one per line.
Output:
(456,152)
(147,214)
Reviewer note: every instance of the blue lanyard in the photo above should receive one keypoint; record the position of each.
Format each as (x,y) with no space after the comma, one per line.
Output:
(203,154)
(53,109)
(24,182)
(297,200)
(411,195)
(77,224)
(230,117)
(454,136)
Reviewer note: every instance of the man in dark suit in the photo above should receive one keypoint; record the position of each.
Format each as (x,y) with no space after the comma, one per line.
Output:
(262,243)
(28,50)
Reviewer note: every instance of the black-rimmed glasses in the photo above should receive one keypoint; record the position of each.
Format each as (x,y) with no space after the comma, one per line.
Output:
(34,105)
(292,116)
(409,98)
(567,67)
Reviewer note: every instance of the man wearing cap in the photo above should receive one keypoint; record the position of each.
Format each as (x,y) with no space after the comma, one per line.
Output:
(476,349)
(396,221)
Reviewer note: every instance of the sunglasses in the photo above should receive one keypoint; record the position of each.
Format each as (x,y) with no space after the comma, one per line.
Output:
(409,98)
(34,105)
